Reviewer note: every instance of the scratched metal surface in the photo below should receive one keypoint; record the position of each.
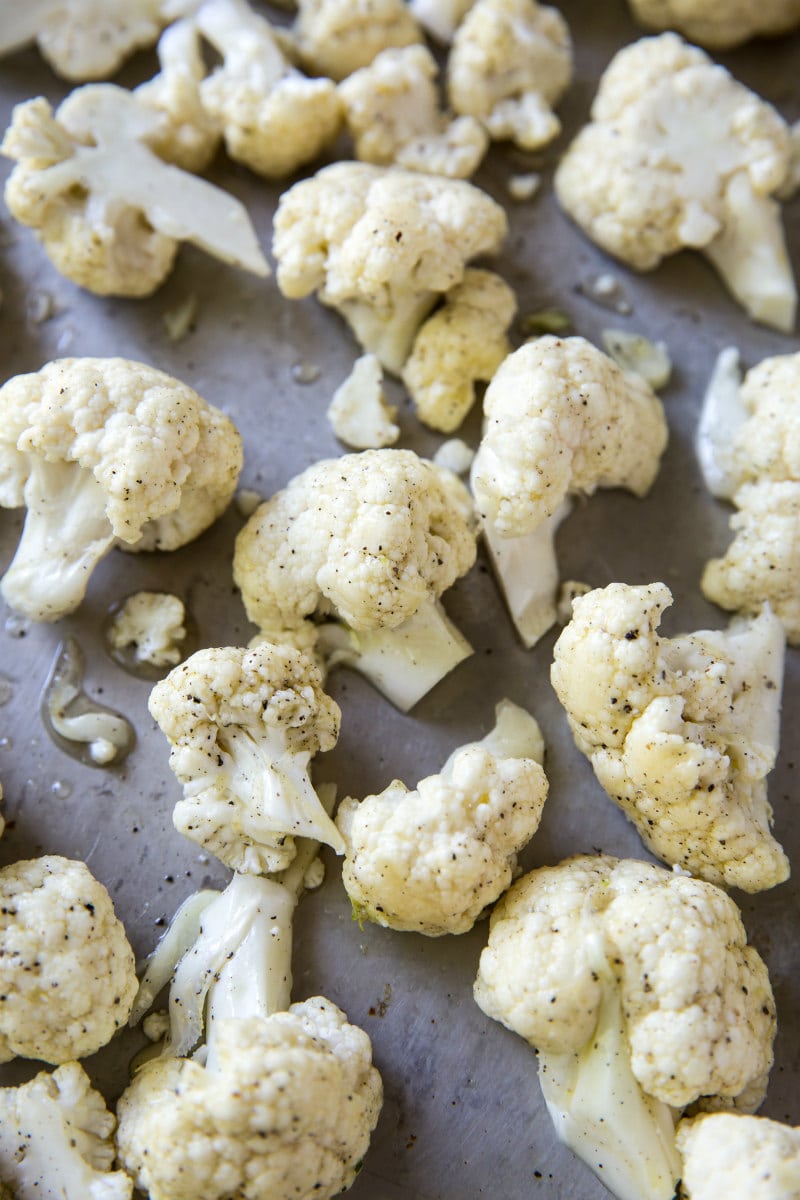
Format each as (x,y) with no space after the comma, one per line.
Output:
(462,1116)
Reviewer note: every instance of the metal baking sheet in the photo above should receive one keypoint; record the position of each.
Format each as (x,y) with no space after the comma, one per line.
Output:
(463,1116)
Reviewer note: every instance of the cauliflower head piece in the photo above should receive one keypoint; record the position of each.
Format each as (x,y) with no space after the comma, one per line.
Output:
(718,24)
(739,1156)
(380,245)
(67,972)
(432,859)
(679,155)
(336,37)
(681,732)
(105,451)
(286,1112)
(639,991)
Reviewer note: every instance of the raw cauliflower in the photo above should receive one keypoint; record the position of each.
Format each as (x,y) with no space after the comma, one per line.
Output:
(432,859)
(152,625)
(105,451)
(679,154)
(337,37)
(359,413)
(681,732)
(67,972)
(381,245)
(718,24)
(509,64)
(731,1156)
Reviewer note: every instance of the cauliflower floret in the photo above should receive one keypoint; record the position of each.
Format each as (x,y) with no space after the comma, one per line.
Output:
(153,625)
(243,726)
(510,62)
(273,118)
(638,989)
(104,451)
(110,213)
(359,414)
(681,732)
(380,245)
(679,154)
(432,859)
(738,1157)
(337,37)
(461,343)
(392,114)
(748,444)
(372,540)
(718,24)
(67,972)
(561,420)
(56,1139)
(440,18)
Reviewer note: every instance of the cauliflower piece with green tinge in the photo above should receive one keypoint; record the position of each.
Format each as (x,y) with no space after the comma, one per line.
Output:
(731,1156)
(243,726)
(381,245)
(104,452)
(337,37)
(562,420)
(718,24)
(359,413)
(108,211)
(641,996)
(185,134)
(510,62)
(431,860)
(681,732)
(462,343)
(748,445)
(367,543)
(153,625)
(393,115)
(67,972)
(56,1140)
(679,154)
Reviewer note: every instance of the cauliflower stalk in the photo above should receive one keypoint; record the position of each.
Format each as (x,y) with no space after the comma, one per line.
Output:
(337,37)
(561,420)
(380,245)
(739,1156)
(748,445)
(641,996)
(103,451)
(110,213)
(431,860)
(679,154)
(681,732)
(718,24)
(363,545)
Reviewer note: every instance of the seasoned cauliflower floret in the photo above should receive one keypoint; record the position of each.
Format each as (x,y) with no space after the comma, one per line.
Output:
(681,732)
(739,1157)
(718,24)
(679,154)
(67,972)
(337,37)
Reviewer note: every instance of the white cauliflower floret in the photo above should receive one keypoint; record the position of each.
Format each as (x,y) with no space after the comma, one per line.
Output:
(638,990)
(358,413)
(109,212)
(440,18)
(273,118)
(432,859)
(463,342)
(679,154)
(510,62)
(392,113)
(56,1140)
(153,625)
(562,420)
(748,444)
(67,972)
(371,540)
(681,732)
(718,24)
(337,37)
(381,245)
(738,1157)
(105,451)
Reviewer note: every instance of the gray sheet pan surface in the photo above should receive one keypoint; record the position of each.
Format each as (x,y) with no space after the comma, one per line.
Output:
(462,1116)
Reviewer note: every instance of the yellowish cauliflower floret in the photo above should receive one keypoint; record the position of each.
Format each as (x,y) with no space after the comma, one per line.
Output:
(286,1113)
(104,451)
(510,62)
(730,1156)
(67,972)
(392,113)
(638,989)
(681,732)
(462,343)
(432,859)
(380,245)
(679,154)
(719,24)
(337,37)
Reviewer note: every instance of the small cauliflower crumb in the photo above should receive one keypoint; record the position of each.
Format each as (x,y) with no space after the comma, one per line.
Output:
(454,455)
(635,352)
(359,413)
(153,625)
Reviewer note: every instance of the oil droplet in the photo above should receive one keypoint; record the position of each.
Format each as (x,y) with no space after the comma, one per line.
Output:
(95,735)
(61,789)
(17,626)
(607,291)
(6,689)
(306,372)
